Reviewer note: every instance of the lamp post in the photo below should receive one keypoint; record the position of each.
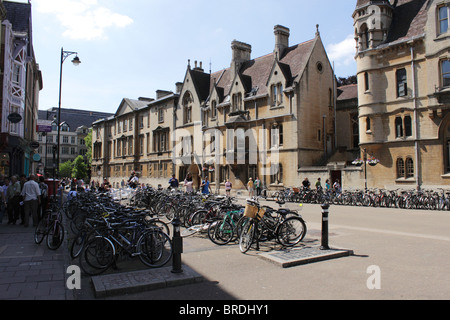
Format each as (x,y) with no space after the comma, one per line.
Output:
(76,61)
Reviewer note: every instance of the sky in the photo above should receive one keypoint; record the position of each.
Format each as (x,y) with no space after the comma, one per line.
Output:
(131,48)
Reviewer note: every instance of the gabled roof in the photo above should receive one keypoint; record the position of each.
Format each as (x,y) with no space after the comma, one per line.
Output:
(255,73)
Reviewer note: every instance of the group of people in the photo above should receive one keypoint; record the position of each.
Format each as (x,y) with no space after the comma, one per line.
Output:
(336,185)
(23,197)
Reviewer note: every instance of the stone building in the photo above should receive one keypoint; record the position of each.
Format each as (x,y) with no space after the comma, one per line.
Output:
(261,117)
(264,117)
(403,70)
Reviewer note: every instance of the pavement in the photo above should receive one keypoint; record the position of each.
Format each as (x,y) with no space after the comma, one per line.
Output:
(29,271)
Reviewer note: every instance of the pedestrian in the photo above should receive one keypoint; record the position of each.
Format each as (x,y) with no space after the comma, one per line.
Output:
(72,193)
(258,186)
(337,187)
(44,197)
(188,183)
(23,179)
(306,184)
(318,184)
(250,186)
(205,187)
(4,198)
(173,182)
(13,199)
(327,185)
(228,187)
(31,194)
(105,185)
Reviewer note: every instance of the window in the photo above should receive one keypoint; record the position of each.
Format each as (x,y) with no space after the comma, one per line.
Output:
(214,109)
(398,127)
(400,168)
(65,127)
(366,81)
(408,126)
(16,73)
(160,115)
(403,127)
(277,94)
(367,124)
(237,101)
(65,139)
(443,19)
(276,173)
(405,169)
(401,83)
(187,108)
(409,168)
(445,71)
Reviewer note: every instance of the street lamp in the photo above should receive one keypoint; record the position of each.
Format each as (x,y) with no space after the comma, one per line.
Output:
(76,61)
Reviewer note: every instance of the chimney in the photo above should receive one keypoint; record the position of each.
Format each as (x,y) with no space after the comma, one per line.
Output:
(200,68)
(281,40)
(162,93)
(178,87)
(241,52)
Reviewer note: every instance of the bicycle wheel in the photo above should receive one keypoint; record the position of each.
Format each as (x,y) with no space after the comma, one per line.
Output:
(55,235)
(191,230)
(154,248)
(160,225)
(220,232)
(41,231)
(97,256)
(247,236)
(291,231)
(77,244)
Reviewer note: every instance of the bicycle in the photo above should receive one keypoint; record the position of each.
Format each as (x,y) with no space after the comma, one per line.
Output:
(51,227)
(152,246)
(286,227)
(223,231)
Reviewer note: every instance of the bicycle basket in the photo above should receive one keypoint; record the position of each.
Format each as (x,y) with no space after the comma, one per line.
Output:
(252,212)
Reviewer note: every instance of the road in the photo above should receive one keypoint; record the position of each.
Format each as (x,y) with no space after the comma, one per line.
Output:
(399,254)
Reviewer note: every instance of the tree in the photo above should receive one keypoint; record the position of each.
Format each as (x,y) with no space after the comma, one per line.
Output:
(65,169)
(79,169)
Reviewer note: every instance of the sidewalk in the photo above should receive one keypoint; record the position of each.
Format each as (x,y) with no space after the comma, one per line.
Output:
(29,271)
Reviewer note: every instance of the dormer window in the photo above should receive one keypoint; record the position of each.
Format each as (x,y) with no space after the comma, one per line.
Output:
(237,101)
(65,127)
(276,94)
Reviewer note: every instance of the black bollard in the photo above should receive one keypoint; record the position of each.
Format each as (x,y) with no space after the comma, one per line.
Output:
(177,246)
(324,243)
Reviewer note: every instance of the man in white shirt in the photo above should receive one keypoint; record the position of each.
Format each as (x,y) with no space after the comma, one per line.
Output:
(31,198)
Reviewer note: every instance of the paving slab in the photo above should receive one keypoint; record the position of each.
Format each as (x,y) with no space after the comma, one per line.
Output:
(290,257)
(142,280)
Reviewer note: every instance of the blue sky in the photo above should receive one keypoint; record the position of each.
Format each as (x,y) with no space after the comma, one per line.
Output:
(131,48)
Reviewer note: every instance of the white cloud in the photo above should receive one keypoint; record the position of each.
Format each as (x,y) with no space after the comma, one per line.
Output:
(83,19)
(342,53)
